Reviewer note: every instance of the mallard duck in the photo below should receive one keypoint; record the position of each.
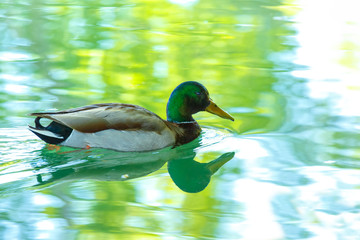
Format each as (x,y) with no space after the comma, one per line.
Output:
(125,127)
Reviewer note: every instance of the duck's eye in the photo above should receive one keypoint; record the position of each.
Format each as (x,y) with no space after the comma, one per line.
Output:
(198,93)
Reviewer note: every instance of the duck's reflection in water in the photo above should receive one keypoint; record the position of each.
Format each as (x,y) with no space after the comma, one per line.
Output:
(106,165)
(192,176)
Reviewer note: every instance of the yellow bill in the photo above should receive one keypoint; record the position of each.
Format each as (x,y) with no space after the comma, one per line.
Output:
(214,109)
(214,165)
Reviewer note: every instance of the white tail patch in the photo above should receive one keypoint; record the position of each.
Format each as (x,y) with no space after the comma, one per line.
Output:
(46,133)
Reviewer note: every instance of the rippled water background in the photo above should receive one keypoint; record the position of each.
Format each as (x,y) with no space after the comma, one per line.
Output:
(288,71)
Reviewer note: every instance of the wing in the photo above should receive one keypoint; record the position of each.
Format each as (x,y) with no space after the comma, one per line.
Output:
(98,117)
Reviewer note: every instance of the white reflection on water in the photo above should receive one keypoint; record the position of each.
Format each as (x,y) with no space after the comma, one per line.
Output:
(45,225)
(258,209)
(329,44)
(184,2)
(16,89)
(16,56)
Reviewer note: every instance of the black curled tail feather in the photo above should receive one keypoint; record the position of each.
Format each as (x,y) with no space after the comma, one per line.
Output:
(60,131)
(38,124)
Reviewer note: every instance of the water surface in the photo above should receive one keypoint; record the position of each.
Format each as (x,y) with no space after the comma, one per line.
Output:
(286,70)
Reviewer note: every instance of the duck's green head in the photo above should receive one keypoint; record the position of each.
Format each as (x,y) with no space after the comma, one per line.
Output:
(189,98)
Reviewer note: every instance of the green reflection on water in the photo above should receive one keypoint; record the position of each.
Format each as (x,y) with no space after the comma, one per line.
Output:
(295,173)
(105,165)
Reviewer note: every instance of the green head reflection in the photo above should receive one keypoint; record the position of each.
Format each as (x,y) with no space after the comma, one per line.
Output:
(192,176)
